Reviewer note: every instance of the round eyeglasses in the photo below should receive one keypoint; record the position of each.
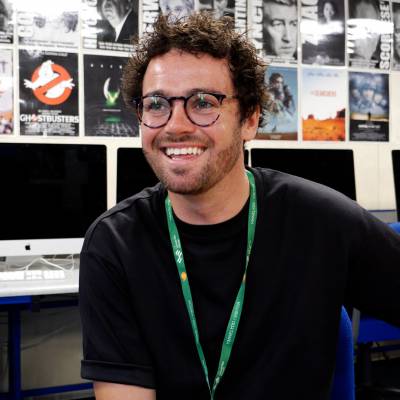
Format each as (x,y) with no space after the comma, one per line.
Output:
(202,109)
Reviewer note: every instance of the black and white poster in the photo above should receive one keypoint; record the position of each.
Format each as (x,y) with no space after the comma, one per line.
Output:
(48,93)
(49,27)
(105,111)
(177,8)
(322,32)
(369,106)
(369,34)
(110,24)
(6,21)
(274,30)
(396,35)
(6,92)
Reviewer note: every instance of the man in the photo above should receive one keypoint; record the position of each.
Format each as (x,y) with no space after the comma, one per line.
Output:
(396,36)
(198,87)
(280,28)
(363,32)
(178,8)
(122,21)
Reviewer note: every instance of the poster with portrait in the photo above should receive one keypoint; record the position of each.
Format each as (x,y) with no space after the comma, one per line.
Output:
(6,21)
(396,35)
(369,34)
(6,92)
(110,24)
(323,100)
(280,120)
(48,87)
(48,27)
(322,32)
(105,111)
(274,30)
(369,106)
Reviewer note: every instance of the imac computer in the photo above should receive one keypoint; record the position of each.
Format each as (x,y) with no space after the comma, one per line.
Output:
(396,174)
(49,196)
(333,168)
(133,172)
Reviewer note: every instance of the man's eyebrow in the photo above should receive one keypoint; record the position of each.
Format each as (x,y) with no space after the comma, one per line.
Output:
(187,93)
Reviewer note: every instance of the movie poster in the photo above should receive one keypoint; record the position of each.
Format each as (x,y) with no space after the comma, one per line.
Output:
(323,106)
(6,92)
(105,111)
(109,25)
(236,9)
(6,21)
(369,106)
(280,120)
(274,30)
(48,87)
(322,32)
(44,26)
(396,36)
(369,34)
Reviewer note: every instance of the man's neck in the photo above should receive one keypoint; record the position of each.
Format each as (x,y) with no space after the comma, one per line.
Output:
(220,203)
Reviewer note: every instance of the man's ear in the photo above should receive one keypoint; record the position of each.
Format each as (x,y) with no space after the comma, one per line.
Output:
(250,125)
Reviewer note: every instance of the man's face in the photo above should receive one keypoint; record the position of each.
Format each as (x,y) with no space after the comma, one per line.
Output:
(280,28)
(396,22)
(179,8)
(368,93)
(207,155)
(114,10)
(220,5)
(278,84)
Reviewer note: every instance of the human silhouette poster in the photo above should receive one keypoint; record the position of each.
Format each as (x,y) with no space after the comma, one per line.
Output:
(369,106)
(105,111)
(281,116)
(323,104)
(322,32)
(48,93)
(43,26)
(369,34)
(6,92)
(110,24)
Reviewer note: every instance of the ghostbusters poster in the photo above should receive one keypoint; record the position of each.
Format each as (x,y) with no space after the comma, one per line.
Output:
(6,92)
(48,93)
(105,111)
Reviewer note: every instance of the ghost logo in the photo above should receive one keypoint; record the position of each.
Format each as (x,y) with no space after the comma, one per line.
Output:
(110,95)
(51,83)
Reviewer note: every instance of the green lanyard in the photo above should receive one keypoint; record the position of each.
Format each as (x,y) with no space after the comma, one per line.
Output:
(234,319)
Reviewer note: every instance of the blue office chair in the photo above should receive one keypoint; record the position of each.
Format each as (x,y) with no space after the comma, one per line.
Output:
(368,330)
(343,387)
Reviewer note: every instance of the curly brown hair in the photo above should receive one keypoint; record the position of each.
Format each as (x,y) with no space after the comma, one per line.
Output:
(195,34)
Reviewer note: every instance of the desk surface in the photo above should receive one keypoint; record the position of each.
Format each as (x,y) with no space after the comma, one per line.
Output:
(41,287)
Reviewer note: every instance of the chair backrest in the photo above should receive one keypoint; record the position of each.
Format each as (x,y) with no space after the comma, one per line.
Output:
(343,387)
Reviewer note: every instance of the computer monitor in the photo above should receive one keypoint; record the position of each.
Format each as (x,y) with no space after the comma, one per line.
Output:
(50,194)
(396,173)
(133,172)
(333,168)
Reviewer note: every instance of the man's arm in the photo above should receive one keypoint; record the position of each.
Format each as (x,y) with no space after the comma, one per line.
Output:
(116,391)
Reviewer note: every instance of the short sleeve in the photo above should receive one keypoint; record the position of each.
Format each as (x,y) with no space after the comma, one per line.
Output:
(113,347)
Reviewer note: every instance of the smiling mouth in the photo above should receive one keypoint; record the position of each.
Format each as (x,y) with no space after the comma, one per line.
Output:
(174,152)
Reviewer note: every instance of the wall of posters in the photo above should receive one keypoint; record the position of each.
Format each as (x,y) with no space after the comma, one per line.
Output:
(323,106)
(396,35)
(369,34)
(48,87)
(105,113)
(6,92)
(39,25)
(369,106)
(281,123)
(322,32)
(6,21)
(109,25)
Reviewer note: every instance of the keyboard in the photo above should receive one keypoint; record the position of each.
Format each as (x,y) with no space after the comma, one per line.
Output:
(32,275)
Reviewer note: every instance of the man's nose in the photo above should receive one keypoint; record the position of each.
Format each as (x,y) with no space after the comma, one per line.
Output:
(179,121)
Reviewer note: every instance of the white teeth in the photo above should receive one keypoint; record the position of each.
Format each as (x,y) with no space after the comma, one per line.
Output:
(174,151)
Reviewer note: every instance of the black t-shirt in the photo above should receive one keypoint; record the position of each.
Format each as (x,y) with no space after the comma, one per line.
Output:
(314,250)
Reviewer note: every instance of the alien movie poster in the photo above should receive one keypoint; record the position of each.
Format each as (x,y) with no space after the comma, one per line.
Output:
(274,30)
(6,92)
(105,111)
(322,32)
(369,34)
(6,21)
(369,106)
(110,24)
(280,120)
(49,25)
(48,93)
(323,104)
